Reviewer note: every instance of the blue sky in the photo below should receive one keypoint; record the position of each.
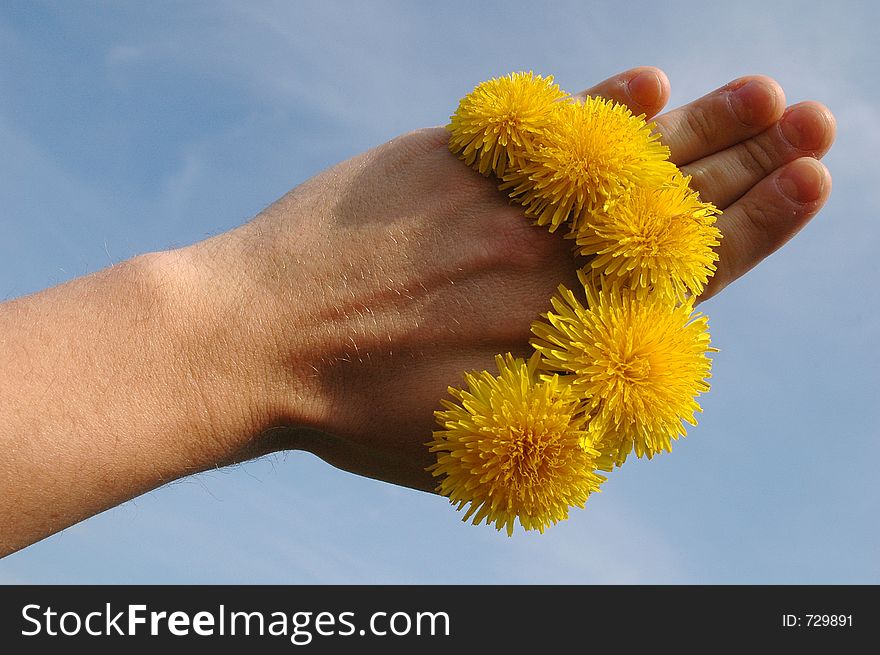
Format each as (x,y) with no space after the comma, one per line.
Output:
(129,127)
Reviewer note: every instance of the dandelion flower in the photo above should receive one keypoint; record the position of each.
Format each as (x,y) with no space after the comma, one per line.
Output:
(496,124)
(658,237)
(596,150)
(638,360)
(513,447)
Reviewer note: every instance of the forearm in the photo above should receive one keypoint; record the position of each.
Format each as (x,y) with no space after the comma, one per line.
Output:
(112,384)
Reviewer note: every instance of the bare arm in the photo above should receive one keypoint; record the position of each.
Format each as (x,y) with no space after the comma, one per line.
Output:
(108,392)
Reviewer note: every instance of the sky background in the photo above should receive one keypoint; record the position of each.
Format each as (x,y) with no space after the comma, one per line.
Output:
(131,127)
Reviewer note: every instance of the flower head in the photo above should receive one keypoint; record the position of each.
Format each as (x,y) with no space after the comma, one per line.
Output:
(513,447)
(638,359)
(498,122)
(658,237)
(596,150)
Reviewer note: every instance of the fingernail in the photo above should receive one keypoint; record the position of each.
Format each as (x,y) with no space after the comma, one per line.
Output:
(644,89)
(804,128)
(748,102)
(803,180)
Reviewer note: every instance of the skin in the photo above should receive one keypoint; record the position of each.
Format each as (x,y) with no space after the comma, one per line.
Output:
(334,321)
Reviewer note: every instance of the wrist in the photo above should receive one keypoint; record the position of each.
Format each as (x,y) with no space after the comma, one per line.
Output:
(251,385)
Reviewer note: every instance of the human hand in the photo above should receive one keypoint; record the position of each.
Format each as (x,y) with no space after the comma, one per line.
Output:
(369,289)
(335,320)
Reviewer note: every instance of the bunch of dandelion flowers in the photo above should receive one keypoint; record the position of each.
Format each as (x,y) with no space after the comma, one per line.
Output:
(513,446)
(498,123)
(639,360)
(660,237)
(596,150)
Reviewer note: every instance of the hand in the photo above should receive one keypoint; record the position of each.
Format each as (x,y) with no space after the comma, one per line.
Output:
(335,320)
(374,285)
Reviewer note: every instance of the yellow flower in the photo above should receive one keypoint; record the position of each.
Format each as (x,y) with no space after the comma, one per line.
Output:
(658,237)
(496,124)
(595,150)
(512,447)
(636,358)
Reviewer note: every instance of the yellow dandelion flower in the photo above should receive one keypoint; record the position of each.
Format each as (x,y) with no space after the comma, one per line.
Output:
(513,447)
(595,150)
(638,359)
(496,124)
(658,237)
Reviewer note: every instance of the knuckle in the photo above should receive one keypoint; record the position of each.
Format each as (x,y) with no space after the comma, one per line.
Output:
(511,241)
(508,241)
(403,152)
(700,126)
(426,139)
(756,157)
(759,221)
(702,178)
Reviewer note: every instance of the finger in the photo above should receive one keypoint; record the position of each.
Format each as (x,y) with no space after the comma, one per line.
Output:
(733,113)
(768,216)
(805,130)
(645,90)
